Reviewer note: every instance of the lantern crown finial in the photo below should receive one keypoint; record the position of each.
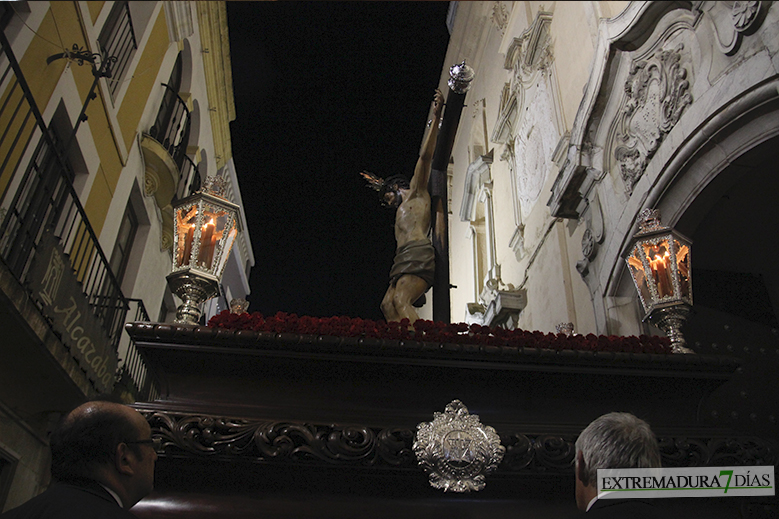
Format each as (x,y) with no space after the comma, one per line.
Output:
(649,220)
(460,77)
(216,185)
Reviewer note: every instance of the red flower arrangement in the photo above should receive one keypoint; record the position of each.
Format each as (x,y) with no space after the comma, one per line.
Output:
(436,332)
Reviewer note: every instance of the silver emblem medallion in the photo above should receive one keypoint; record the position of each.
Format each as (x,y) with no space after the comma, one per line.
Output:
(456,450)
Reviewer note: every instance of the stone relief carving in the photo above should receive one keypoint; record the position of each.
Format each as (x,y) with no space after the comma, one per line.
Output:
(533,146)
(593,234)
(150,183)
(166,240)
(657,93)
(743,14)
(732,23)
(500,16)
(588,245)
(527,149)
(527,55)
(532,50)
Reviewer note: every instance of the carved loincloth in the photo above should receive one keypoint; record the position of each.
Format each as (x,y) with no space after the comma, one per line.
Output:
(415,257)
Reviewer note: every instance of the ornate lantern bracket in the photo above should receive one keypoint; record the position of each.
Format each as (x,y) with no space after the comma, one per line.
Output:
(659,262)
(205,227)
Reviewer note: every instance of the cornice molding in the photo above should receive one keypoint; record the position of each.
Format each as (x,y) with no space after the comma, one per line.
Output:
(214,38)
(248,345)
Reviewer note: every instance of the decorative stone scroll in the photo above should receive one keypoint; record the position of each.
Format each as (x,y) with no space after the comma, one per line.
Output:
(500,16)
(528,137)
(734,20)
(657,92)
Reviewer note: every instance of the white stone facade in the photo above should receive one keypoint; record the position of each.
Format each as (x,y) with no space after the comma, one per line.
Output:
(594,111)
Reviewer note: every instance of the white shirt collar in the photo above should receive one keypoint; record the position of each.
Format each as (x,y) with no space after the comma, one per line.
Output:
(114,495)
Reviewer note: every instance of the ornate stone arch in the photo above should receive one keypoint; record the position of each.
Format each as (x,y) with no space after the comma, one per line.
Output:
(702,171)
(707,110)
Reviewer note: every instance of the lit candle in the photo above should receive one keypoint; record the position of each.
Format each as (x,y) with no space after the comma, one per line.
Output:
(211,249)
(206,245)
(662,275)
(184,259)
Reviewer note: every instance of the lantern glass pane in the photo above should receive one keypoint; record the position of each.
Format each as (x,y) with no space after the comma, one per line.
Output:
(217,224)
(658,255)
(683,266)
(186,221)
(639,277)
(209,237)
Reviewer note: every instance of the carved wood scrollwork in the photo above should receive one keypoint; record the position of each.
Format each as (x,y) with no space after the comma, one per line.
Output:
(697,452)
(554,453)
(219,438)
(208,436)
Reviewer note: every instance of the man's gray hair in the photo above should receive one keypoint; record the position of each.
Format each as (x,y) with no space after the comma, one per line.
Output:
(617,441)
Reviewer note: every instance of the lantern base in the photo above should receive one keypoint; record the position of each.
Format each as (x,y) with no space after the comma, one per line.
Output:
(193,288)
(670,319)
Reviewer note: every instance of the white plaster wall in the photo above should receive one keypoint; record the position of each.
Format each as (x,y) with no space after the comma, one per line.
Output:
(546,264)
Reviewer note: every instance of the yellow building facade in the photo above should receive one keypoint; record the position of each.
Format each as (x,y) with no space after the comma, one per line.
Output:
(111,111)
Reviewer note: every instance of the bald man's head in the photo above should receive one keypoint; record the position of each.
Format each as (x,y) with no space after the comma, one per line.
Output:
(86,438)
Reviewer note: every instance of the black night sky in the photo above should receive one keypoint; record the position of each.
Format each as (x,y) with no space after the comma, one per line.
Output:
(324,90)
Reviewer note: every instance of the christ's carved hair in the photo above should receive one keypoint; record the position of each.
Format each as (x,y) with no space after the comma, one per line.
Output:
(393,183)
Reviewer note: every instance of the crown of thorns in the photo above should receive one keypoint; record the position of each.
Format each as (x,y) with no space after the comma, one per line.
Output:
(381,185)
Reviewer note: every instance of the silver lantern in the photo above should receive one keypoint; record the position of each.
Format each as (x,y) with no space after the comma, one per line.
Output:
(659,262)
(205,227)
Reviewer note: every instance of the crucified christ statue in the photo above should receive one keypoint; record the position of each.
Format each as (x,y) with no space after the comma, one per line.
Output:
(413,268)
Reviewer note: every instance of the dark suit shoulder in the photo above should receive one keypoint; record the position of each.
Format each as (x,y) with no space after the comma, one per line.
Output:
(622,508)
(65,501)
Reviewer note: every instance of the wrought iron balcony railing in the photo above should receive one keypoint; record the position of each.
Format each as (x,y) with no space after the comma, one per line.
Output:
(171,128)
(118,39)
(132,368)
(38,200)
